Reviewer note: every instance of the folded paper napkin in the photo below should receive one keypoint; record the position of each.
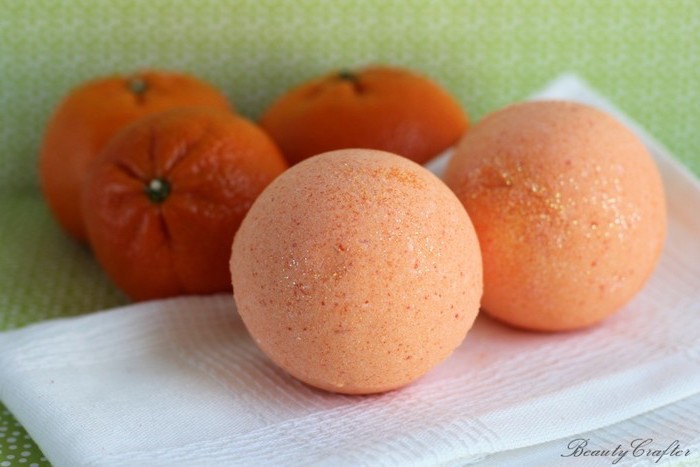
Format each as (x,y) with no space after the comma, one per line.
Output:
(179,382)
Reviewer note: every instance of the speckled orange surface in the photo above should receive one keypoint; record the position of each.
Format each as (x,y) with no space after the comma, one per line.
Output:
(569,210)
(357,271)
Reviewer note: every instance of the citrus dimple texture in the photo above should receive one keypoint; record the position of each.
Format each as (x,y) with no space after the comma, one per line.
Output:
(165,197)
(94,112)
(385,108)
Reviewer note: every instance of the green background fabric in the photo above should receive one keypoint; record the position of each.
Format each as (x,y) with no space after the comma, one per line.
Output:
(644,55)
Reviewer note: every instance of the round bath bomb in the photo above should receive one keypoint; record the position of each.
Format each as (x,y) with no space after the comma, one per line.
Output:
(569,210)
(357,271)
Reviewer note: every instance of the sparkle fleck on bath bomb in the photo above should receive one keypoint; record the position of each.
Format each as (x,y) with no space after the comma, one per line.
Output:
(569,209)
(357,271)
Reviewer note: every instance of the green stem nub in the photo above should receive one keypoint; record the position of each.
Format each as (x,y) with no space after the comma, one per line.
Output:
(137,85)
(158,190)
(347,75)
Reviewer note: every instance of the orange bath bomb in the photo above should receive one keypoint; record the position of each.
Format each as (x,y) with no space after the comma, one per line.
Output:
(357,271)
(569,210)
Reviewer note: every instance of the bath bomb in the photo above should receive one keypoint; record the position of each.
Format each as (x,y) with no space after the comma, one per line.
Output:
(569,209)
(357,271)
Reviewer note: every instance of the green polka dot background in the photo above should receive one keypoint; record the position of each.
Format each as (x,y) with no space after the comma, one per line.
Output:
(644,55)
(16,446)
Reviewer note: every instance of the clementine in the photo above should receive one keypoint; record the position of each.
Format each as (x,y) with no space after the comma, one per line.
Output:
(165,197)
(91,114)
(387,108)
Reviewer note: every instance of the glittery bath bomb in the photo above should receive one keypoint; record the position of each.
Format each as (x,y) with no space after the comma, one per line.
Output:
(569,210)
(357,271)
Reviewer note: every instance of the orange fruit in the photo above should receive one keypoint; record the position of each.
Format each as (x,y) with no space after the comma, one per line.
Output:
(91,114)
(386,108)
(165,197)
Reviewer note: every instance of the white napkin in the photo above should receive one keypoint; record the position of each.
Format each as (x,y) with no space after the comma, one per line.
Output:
(179,382)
